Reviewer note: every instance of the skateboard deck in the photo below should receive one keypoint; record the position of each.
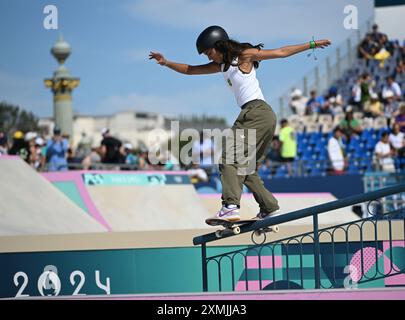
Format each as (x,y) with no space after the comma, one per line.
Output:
(230,227)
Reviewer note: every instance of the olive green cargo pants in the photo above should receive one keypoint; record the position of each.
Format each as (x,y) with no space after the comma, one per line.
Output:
(244,150)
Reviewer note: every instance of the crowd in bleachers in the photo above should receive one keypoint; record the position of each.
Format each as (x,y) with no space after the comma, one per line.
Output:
(358,125)
(55,153)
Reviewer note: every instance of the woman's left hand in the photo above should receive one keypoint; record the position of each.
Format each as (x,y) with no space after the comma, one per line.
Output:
(323,43)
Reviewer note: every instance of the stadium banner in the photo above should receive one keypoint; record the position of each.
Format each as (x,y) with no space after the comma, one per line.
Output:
(178,270)
(138,179)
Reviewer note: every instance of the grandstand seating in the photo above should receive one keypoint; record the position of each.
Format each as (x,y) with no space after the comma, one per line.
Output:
(313,131)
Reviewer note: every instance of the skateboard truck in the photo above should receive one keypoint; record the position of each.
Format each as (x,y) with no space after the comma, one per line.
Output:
(226,231)
(259,232)
(230,228)
(263,232)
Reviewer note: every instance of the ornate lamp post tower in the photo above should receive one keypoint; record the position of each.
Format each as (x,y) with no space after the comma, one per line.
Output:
(62,85)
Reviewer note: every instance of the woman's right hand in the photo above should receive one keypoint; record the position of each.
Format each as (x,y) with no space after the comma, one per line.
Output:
(160,59)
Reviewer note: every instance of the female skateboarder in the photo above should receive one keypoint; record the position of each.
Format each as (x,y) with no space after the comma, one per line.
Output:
(238,63)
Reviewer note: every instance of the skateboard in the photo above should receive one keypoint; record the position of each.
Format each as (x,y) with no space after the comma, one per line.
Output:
(230,227)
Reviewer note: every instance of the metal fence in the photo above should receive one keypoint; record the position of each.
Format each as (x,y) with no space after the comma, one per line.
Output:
(366,252)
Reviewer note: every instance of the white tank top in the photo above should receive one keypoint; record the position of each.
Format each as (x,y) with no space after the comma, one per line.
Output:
(245,87)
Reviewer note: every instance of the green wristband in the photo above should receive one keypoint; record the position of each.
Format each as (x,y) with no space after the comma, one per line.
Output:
(312,44)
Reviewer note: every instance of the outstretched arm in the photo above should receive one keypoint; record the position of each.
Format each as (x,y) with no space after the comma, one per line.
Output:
(185,68)
(284,52)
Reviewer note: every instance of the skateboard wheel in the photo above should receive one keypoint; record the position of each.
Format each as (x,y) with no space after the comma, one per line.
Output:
(276,229)
(236,230)
(218,233)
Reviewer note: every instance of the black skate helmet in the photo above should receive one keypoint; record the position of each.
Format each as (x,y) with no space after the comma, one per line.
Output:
(208,38)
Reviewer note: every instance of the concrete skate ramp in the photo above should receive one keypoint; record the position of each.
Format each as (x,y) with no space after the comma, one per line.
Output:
(31,205)
(151,207)
(288,202)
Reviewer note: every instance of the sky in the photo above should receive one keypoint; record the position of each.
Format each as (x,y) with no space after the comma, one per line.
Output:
(111,39)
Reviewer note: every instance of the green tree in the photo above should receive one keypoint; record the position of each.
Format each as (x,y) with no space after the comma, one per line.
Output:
(13,118)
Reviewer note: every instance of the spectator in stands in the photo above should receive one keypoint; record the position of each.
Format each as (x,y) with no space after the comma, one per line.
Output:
(274,153)
(74,162)
(30,138)
(396,139)
(392,86)
(288,144)
(19,146)
(400,70)
(376,35)
(335,101)
(197,174)
(298,102)
(314,103)
(84,146)
(400,118)
(56,149)
(336,151)
(40,154)
(390,46)
(374,108)
(110,148)
(367,48)
(130,158)
(384,154)
(390,105)
(3,143)
(144,163)
(385,50)
(350,126)
(356,95)
(92,159)
(366,89)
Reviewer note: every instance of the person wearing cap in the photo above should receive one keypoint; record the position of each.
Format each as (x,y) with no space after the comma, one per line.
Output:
(298,102)
(33,158)
(56,152)
(335,101)
(39,160)
(238,63)
(130,158)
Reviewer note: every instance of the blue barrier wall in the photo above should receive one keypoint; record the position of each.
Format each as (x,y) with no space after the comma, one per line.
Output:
(339,186)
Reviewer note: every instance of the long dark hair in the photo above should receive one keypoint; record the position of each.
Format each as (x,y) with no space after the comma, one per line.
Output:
(232,49)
